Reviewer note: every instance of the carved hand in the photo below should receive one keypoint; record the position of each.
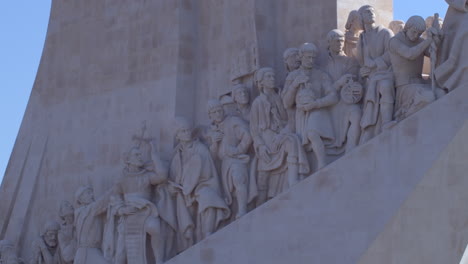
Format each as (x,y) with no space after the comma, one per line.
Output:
(217,136)
(365,71)
(345,79)
(263,153)
(300,80)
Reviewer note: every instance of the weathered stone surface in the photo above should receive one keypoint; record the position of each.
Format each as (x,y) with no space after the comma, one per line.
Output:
(338,214)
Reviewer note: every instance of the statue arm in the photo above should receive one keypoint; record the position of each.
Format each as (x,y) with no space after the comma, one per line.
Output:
(396,46)
(242,133)
(289,93)
(255,126)
(330,97)
(161,170)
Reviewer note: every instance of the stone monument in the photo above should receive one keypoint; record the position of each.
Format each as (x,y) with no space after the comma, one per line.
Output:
(273,132)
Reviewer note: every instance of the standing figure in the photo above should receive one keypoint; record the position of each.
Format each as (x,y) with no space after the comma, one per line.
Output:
(67,233)
(346,114)
(407,51)
(293,62)
(8,253)
(241,97)
(46,249)
(281,159)
(452,61)
(195,185)
(139,215)
(89,226)
(353,29)
(377,72)
(309,91)
(230,142)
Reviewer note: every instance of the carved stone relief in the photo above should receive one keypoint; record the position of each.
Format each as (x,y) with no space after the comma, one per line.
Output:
(157,208)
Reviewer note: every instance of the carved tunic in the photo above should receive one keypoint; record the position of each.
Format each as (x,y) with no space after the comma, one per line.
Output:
(268,123)
(232,151)
(193,168)
(89,231)
(319,90)
(407,63)
(338,66)
(374,45)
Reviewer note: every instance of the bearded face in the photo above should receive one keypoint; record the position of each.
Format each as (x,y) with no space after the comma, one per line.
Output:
(50,238)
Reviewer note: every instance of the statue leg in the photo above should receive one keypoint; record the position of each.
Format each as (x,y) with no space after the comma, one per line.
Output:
(354,131)
(239,178)
(153,228)
(318,147)
(292,160)
(387,101)
(262,186)
(207,222)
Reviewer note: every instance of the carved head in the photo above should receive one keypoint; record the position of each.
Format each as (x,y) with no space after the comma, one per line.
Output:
(50,234)
(414,28)
(396,26)
(430,21)
(336,40)
(134,158)
(84,195)
(264,78)
(184,130)
(215,111)
(67,213)
(354,22)
(367,14)
(240,94)
(291,59)
(308,52)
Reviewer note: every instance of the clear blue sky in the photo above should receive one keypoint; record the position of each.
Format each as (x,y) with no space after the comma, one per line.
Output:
(23,26)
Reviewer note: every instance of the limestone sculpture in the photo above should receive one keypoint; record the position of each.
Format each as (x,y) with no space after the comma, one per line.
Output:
(67,233)
(291,59)
(139,216)
(346,114)
(452,61)
(281,159)
(241,96)
(46,248)
(89,226)
(8,253)
(230,141)
(309,91)
(396,26)
(353,29)
(195,184)
(376,70)
(407,51)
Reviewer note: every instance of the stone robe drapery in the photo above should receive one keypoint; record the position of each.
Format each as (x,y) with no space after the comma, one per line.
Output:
(89,231)
(338,66)
(452,69)
(67,243)
(132,188)
(374,46)
(193,168)
(412,91)
(268,126)
(318,89)
(236,140)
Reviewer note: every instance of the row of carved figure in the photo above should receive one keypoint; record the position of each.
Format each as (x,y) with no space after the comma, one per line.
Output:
(251,154)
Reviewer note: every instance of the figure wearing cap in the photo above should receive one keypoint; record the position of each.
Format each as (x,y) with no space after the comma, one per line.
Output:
(230,141)
(196,188)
